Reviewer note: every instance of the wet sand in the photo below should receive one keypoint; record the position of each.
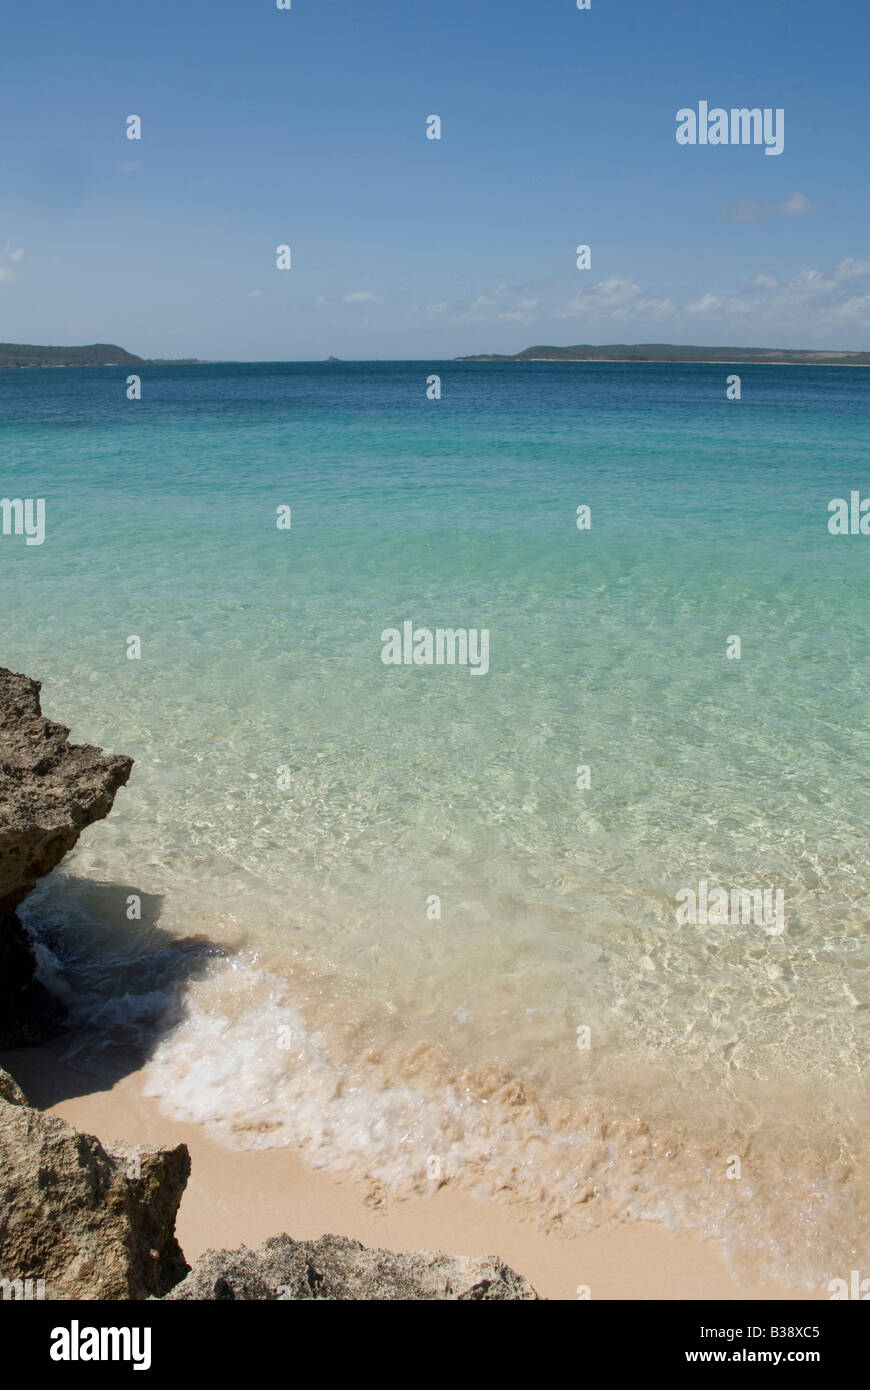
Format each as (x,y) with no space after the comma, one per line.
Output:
(242,1197)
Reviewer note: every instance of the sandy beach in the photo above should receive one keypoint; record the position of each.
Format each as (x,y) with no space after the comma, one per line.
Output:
(242,1197)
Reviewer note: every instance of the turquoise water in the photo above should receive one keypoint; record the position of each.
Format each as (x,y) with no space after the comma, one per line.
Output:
(344,1018)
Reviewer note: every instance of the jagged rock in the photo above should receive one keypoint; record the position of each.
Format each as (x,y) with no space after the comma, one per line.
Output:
(10,1090)
(336,1268)
(92,1224)
(50,791)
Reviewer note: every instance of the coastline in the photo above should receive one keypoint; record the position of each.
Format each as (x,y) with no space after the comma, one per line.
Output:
(239,1197)
(657,362)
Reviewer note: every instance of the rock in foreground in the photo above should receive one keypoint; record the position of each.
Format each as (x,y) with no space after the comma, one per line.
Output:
(50,791)
(92,1224)
(340,1269)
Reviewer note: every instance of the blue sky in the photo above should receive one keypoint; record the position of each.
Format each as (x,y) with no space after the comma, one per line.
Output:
(308,127)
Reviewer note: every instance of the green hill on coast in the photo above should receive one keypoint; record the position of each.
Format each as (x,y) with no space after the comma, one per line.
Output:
(95,355)
(676,352)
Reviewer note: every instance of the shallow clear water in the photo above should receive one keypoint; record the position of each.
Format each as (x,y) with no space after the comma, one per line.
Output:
(343,1019)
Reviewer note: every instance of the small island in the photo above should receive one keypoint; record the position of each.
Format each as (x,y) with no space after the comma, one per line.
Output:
(677,352)
(95,355)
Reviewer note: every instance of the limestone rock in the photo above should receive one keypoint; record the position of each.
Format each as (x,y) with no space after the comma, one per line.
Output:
(50,791)
(340,1269)
(92,1224)
(10,1090)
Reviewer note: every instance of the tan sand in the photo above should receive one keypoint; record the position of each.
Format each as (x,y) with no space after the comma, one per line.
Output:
(241,1197)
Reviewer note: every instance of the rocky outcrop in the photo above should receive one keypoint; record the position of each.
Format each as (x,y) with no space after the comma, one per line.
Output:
(50,791)
(10,1091)
(92,1224)
(340,1269)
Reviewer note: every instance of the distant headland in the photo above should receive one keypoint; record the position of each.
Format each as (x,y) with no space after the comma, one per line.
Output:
(670,352)
(96,355)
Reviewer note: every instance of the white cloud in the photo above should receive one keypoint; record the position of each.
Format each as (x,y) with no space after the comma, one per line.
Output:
(652,308)
(254,294)
(856,309)
(812,302)
(618,298)
(16,255)
(606,296)
(361,297)
(745,209)
(805,308)
(812,281)
(847,269)
(707,304)
(763,282)
(617,289)
(796,205)
(6,275)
